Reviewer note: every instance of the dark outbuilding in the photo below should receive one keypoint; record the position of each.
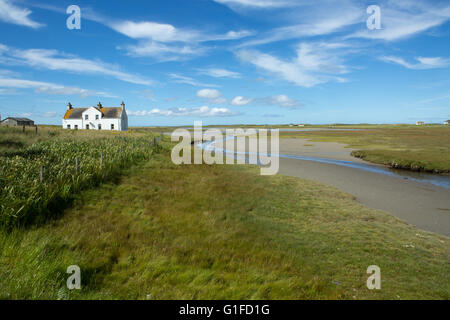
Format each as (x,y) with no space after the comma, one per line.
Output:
(12,121)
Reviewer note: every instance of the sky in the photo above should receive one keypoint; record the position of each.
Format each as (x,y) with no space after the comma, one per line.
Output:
(228,61)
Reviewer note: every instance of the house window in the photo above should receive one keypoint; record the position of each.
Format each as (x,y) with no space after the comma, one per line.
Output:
(96,117)
(87,127)
(99,126)
(76,127)
(86,117)
(112,126)
(68,126)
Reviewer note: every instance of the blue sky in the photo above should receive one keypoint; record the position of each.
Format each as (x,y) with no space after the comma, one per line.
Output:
(228,61)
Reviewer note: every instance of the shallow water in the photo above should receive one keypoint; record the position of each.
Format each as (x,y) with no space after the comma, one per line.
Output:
(426,178)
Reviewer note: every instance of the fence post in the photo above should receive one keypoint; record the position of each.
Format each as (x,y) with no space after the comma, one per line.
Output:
(36,129)
(76,165)
(23,130)
(154,141)
(42,174)
(101,159)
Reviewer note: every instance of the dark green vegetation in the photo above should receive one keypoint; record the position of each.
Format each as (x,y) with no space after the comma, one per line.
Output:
(38,180)
(418,148)
(161,231)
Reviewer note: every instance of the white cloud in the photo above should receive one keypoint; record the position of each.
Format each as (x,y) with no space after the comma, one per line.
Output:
(166,42)
(188,80)
(163,32)
(423,63)
(220,73)
(55,60)
(240,101)
(282,100)
(212,96)
(208,93)
(203,111)
(48,88)
(151,30)
(315,63)
(12,14)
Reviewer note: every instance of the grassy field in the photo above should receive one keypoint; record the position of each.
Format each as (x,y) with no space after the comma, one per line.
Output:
(418,148)
(41,172)
(161,231)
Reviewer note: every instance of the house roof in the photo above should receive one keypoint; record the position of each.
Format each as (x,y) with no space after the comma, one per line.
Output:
(111,112)
(107,112)
(17,119)
(74,113)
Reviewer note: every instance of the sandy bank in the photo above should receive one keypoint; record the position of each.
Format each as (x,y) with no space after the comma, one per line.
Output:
(423,205)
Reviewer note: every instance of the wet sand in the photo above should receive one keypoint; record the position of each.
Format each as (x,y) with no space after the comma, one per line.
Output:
(423,205)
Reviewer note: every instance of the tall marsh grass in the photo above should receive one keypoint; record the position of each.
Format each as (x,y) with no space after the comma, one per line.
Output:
(24,198)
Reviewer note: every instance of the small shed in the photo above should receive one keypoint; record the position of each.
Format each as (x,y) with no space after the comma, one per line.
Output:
(420,123)
(12,121)
(447,122)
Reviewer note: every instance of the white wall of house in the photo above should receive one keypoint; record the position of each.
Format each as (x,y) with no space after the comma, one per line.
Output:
(72,123)
(108,123)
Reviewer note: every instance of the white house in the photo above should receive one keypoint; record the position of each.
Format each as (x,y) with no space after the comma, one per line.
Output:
(96,118)
(447,122)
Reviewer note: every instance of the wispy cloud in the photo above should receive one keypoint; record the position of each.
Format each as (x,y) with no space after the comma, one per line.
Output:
(405,18)
(423,63)
(315,63)
(220,73)
(11,13)
(58,61)
(166,42)
(163,32)
(179,78)
(203,111)
(48,88)
(163,52)
(257,4)
(315,22)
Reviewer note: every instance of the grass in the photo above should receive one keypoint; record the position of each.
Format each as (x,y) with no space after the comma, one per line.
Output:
(418,148)
(39,179)
(220,232)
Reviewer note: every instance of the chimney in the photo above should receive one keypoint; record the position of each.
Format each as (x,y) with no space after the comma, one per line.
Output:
(123,105)
(99,105)
(69,106)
